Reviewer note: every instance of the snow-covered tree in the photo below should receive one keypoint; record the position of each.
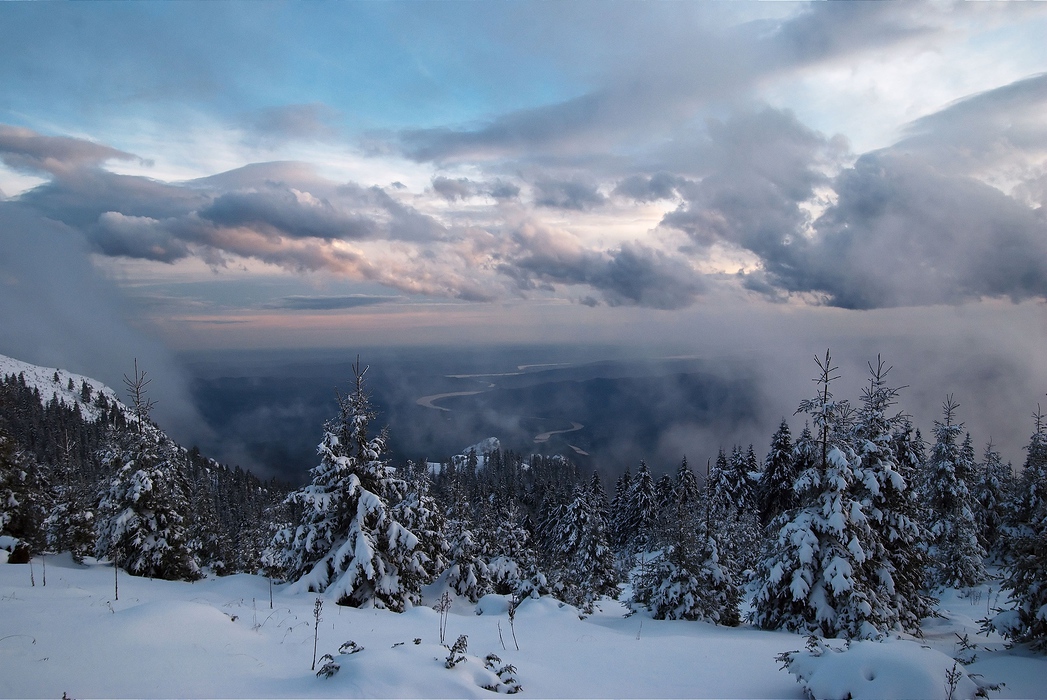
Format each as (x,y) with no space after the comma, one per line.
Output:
(618,512)
(815,574)
(958,556)
(347,540)
(688,581)
(419,512)
(22,492)
(897,557)
(992,486)
(144,510)
(584,554)
(1026,570)
(775,490)
(467,572)
(640,510)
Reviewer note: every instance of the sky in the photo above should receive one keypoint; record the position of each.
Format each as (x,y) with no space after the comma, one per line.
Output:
(715,178)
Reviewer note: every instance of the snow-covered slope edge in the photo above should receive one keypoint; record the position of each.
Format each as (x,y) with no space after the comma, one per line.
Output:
(66,386)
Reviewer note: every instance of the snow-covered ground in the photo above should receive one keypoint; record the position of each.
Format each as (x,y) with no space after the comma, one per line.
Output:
(218,637)
(43,378)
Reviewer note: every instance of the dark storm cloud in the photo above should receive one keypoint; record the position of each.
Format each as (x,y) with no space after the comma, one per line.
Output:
(28,151)
(326,303)
(575,195)
(759,167)
(500,189)
(633,275)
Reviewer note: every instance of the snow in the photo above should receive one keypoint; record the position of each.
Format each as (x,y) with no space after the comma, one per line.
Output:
(43,379)
(218,637)
(881,671)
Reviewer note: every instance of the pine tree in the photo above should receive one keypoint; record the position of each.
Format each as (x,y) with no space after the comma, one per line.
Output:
(775,489)
(419,512)
(618,516)
(814,575)
(347,540)
(958,556)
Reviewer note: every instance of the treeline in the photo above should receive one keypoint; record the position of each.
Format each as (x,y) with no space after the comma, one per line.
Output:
(71,469)
(847,530)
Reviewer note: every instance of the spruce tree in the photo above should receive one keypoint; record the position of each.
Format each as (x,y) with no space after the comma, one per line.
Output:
(640,510)
(814,577)
(896,557)
(584,553)
(958,556)
(688,581)
(144,526)
(347,540)
(1026,570)
(775,489)
(992,486)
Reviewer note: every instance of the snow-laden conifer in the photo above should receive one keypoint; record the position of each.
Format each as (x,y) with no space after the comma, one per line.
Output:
(347,541)
(897,557)
(586,562)
(814,577)
(958,556)
(687,581)
(419,512)
(775,490)
(992,487)
(640,510)
(144,510)
(1026,570)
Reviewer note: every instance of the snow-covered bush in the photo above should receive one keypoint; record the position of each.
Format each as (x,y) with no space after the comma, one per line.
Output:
(879,671)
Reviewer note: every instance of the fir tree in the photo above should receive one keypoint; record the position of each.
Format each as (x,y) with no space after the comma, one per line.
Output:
(347,540)
(814,577)
(688,581)
(991,488)
(1026,570)
(775,489)
(640,510)
(896,557)
(144,524)
(584,554)
(22,490)
(958,556)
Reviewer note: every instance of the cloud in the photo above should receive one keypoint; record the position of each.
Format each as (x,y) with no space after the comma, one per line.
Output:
(461,188)
(903,226)
(567,194)
(327,303)
(59,313)
(902,233)
(1002,126)
(650,188)
(299,122)
(28,151)
(632,275)
(648,93)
